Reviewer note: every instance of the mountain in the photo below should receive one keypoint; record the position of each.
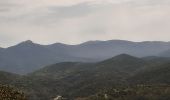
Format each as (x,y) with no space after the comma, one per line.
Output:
(107,49)
(25,57)
(1,49)
(74,79)
(80,79)
(124,62)
(28,56)
(165,53)
(118,63)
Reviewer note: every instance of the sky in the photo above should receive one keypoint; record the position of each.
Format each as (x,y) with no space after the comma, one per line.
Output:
(77,21)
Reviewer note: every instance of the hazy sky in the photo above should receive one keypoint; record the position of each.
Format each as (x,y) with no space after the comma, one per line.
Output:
(76,21)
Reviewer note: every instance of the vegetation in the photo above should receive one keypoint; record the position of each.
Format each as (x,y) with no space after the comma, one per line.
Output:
(155,74)
(140,92)
(96,80)
(10,93)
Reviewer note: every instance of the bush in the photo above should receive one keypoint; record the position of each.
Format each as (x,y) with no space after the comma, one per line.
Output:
(10,93)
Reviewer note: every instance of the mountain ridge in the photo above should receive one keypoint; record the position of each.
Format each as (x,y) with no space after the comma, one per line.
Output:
(89,42)
(28,56)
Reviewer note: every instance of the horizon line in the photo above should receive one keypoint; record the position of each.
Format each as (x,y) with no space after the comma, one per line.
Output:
(31,41)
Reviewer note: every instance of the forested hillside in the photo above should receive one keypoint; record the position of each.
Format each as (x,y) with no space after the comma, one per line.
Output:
(78,80)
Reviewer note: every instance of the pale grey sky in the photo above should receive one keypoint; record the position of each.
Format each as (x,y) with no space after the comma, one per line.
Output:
(76,21)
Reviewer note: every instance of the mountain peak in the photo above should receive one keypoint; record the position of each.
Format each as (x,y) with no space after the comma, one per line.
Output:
(124,56)
(23,44)
(28,42)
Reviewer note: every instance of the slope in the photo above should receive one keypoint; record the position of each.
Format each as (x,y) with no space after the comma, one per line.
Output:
(28,56)
(155,75)
(82,79)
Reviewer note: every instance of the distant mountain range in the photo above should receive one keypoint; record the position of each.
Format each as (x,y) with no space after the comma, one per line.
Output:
(27,56)
(165,53)
(79,79)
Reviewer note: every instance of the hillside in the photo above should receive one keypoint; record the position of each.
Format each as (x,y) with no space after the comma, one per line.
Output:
(140,92)
(8,78)
(78,79)
(87,78)
(154,75)
(82,79)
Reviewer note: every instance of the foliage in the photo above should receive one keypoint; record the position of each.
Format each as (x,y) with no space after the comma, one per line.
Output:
(9,93)
(140,92)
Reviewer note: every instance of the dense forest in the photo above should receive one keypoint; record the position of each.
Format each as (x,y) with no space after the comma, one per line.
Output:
(122,77)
